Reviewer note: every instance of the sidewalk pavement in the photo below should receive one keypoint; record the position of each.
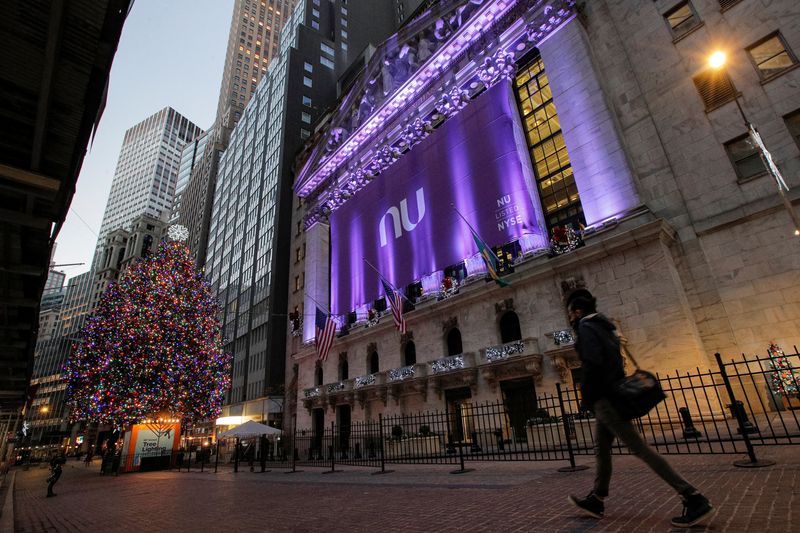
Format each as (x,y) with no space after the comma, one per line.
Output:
(495,497)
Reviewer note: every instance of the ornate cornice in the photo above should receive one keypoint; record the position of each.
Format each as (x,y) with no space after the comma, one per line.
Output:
(476,37)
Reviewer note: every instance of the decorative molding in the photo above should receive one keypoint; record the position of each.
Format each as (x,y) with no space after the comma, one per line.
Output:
(503,306)
(528,365)
(451,101)
(450,323)
(499,66)
(564,360)
(406,337)
(570,285)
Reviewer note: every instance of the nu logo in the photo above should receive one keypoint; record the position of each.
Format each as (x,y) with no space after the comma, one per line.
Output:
(401,215)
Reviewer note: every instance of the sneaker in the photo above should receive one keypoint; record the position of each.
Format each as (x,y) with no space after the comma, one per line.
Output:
(696,508)
(590,505)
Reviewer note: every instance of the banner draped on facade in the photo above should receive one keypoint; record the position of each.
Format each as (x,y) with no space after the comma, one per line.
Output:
(404,222)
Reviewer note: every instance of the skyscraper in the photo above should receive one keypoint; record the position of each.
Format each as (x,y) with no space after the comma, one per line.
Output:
(190,157)
(58,328)
(252,43)
(146,174)
(248,243)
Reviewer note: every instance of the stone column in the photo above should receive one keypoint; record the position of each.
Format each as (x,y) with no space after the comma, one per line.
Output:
(602,173)
(317,268)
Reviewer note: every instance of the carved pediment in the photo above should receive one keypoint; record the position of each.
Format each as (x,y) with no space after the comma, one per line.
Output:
(563,360)
(450,323)
(505,305)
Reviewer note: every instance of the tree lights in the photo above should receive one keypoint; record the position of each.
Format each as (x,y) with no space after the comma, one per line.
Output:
(152,346)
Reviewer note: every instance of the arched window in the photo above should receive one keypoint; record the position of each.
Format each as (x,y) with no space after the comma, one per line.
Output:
(409,354)
(509,328)
(454,342)
(372,363)
(344,369)
(318,376)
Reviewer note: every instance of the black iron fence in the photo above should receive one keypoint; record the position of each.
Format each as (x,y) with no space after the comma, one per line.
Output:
(737,408)
(744,404)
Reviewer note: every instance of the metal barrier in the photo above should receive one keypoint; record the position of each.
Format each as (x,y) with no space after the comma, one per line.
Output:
(734,409)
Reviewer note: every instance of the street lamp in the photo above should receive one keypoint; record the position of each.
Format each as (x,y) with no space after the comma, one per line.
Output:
(717,61)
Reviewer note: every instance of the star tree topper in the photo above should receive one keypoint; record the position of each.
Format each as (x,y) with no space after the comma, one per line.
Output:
(178,233)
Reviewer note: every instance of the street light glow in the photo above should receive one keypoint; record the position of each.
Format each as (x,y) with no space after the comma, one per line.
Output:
(717,59)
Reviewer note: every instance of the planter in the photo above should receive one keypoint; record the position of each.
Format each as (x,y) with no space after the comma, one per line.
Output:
(544,436)
(413,447)
(582,436)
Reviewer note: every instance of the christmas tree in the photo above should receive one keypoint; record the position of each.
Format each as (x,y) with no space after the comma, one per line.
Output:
(784,380)
(152,346)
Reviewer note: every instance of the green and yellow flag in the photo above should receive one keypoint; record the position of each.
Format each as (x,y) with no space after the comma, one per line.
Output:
(492,263)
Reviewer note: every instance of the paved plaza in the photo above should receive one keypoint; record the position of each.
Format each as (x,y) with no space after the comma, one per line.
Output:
(494,497)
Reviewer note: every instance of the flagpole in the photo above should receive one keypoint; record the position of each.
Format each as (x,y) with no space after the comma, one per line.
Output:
(322,307)
(387,281)
(473,229)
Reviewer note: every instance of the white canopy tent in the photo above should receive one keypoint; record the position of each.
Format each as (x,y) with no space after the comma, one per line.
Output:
(248,430)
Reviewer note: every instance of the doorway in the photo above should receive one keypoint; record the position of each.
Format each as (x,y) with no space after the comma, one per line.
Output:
(317,431)
(519,397)
(343,423)
(459,410)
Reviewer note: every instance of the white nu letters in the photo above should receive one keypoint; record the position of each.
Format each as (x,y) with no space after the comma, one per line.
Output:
(407,225)
(402,215)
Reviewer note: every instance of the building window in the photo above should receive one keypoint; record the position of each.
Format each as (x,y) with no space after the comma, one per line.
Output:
(509,328)
(306,100)
(344,369)
(454,346)
(715,88)
(296,283)
(745,158)
(315,24)
(554,179)
(344,23)
(308,67)
(326,49)
(304,134)
(326,62)
(344,47)
(793,125)
(372,363)
(344,34)
(314,12)
(409,354)
(771,56)
(297,255)
(682,19)
(307,81)
(318,376)
(725,4)
(305,117)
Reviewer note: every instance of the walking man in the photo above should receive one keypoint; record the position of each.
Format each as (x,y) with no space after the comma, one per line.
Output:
(599,350)
(55,472)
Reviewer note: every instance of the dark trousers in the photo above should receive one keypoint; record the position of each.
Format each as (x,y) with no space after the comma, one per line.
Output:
(609,425)
(51,481)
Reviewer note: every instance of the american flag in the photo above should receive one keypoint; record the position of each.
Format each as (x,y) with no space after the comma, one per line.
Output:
(396,303)
(326,330)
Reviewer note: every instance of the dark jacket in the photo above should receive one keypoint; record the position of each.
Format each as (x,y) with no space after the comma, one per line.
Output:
(601,361)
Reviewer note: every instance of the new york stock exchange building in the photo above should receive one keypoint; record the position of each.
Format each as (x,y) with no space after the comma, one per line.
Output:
(590,146)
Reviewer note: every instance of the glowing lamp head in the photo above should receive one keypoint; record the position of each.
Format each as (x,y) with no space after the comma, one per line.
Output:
(717,59)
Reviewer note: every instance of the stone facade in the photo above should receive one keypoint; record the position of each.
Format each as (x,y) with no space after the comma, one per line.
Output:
(687,258)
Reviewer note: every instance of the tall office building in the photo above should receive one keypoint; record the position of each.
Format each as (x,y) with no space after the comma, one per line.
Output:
(190,157)
(146,174)
(252,43)
(248,244)
(58,330)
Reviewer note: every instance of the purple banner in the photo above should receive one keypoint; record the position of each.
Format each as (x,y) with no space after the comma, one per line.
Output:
(404,222)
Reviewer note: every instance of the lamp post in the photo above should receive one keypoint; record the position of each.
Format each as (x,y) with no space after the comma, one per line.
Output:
(717,61)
